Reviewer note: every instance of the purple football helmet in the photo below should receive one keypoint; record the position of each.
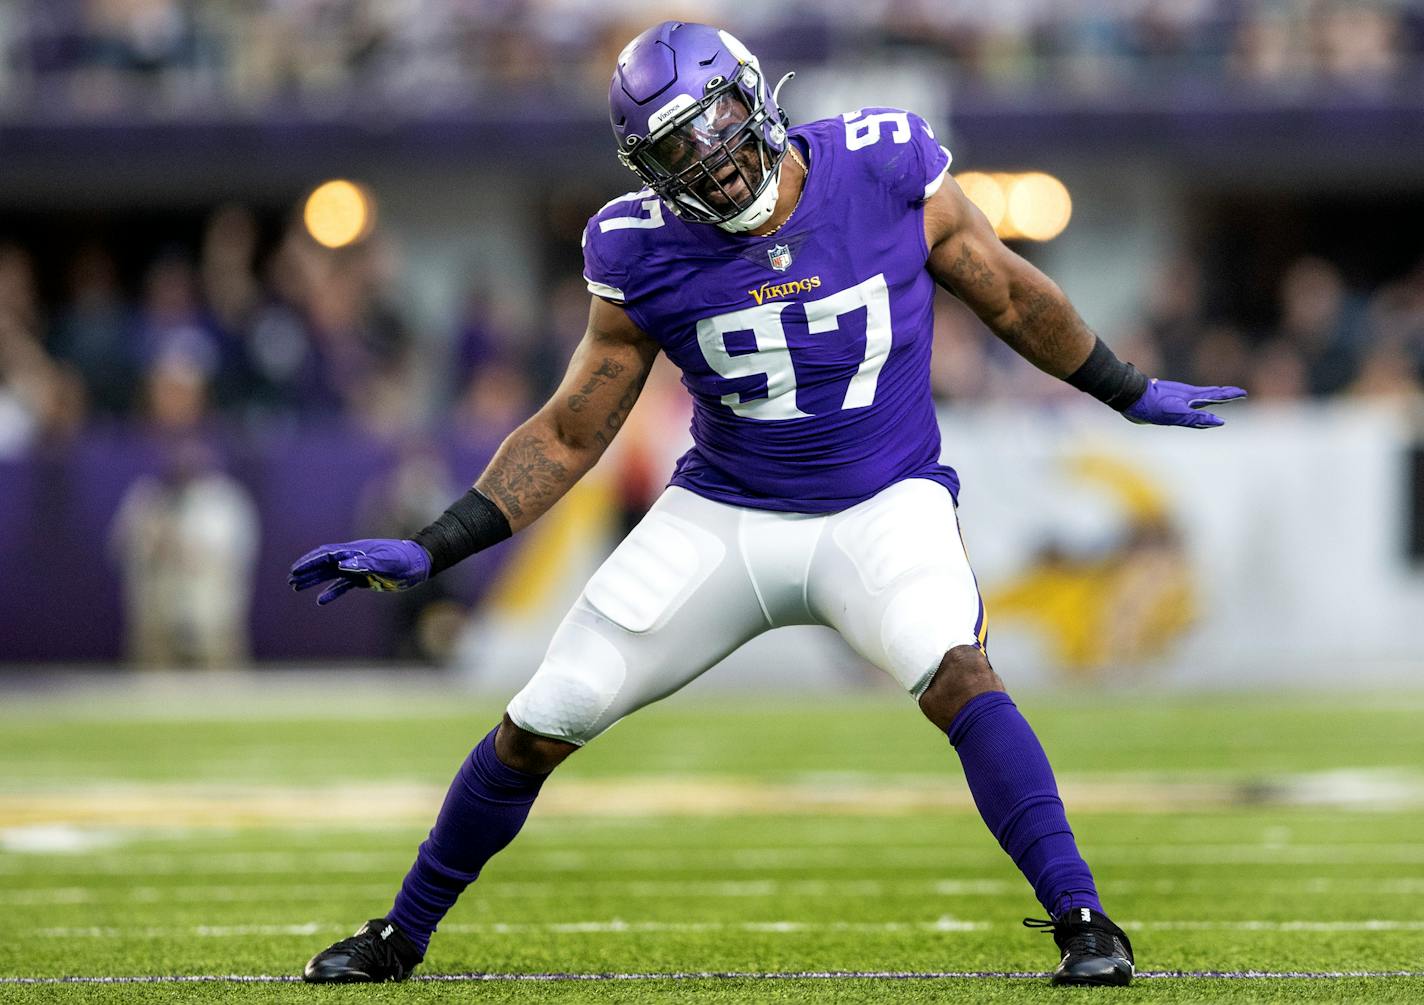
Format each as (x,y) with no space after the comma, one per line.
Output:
(695,121)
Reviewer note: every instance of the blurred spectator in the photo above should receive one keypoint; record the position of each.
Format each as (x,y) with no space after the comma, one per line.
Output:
(146,53)
(1396,315)
(228,267)
(1270,47)
(1173,318)
(566,323)
(286,374)
(1358,42)
(1279,373)
(363,342)
(18,294)
(95,330)
(497,398)
(144,36)
(186,544)
(1388,373)
(1220,355)
(171,322)
(1320,320)
(39,397)
(490,331)
(31,389)
(176,394)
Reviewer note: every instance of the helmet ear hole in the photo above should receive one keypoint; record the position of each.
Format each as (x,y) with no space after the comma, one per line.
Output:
(714,82)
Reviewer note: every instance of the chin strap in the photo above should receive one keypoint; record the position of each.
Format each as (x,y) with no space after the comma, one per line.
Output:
(759,211)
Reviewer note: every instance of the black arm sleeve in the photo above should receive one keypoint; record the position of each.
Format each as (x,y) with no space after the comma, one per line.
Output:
(471,524)
(1107,378)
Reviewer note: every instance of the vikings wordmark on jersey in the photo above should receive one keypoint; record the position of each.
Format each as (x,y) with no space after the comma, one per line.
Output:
(806,351)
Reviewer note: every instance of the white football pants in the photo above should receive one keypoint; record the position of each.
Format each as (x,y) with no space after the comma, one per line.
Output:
(696,579)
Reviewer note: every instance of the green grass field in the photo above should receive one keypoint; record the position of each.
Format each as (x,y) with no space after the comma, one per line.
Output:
(180,834)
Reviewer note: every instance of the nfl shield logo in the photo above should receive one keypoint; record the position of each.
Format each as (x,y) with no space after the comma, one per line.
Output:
(780,257)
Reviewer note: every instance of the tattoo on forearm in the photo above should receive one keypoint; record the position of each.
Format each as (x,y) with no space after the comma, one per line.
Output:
(606,371)
(1046,330)
(1031,310)
(523,475)
(615,418)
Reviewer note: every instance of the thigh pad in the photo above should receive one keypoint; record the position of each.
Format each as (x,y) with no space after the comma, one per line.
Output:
(653,572)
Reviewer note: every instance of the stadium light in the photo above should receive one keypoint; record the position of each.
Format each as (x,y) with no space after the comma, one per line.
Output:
(1030,206)
(339,213)
(985,192)
(1039,206)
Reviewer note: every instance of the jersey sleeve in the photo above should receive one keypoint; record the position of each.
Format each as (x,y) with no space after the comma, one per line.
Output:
(616,237)
(906,156)
(604,278)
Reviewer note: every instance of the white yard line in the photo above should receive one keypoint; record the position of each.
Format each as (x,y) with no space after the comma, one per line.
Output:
(619,926)
(846,857)
(613,926)
(782,975)
(659,889)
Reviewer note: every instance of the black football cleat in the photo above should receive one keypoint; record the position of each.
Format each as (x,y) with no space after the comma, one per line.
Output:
(379,951)
(1095,951)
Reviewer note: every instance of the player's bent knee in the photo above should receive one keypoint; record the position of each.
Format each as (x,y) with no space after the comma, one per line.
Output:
(525,751)
(571,695)
(963,675)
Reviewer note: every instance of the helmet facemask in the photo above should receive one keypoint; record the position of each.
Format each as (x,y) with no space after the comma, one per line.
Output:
(712,162)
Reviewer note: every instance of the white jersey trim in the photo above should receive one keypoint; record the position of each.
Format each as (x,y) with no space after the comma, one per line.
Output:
(642,193)
(934,186)
(604,290)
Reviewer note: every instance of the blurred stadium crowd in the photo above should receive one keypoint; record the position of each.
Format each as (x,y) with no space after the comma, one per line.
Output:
(91,57)
(256,335)
(250,335)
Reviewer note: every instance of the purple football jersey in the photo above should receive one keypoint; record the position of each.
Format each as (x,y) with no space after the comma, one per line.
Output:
(806,351)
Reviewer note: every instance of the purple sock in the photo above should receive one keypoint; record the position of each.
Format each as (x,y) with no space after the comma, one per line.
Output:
(484,809)
(1014,789)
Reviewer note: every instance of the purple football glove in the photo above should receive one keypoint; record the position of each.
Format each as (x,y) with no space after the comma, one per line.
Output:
(374,563)
(1168,403)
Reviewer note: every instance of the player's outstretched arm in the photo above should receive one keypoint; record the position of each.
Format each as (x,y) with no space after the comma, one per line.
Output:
(1028,311)
(533,468)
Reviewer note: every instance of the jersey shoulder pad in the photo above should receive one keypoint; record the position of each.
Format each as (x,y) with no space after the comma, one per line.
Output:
(898,149)
(616,238)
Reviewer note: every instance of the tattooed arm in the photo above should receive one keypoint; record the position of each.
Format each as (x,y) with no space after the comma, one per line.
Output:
(1020,304)
(542,459)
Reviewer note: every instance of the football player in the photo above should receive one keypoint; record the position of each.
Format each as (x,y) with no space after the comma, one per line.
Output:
(789,272)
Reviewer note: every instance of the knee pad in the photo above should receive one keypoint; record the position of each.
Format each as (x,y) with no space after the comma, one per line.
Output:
(568,696)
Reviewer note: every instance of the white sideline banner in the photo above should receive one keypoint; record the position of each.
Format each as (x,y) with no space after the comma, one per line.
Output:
(1288,528)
